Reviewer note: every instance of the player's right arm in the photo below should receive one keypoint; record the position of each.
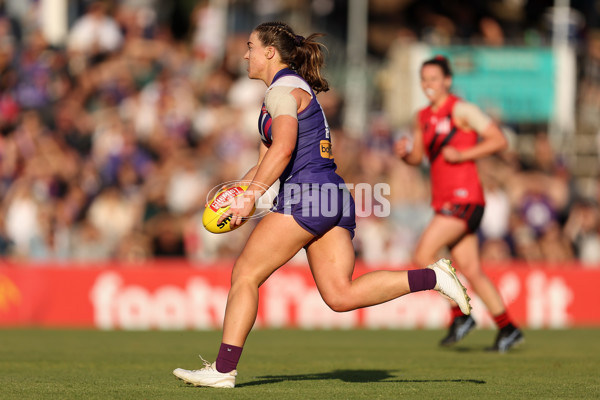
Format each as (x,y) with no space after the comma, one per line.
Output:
(469,117)
(283,108)
(411,151)
(283,104)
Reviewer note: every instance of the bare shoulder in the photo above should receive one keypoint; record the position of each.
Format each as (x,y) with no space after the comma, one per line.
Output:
(467,115)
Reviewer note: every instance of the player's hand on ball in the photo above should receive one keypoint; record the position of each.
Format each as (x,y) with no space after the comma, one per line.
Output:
(240,209)
(228,210)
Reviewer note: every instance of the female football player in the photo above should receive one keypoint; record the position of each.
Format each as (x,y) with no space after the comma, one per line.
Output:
(454,134)
(313,209)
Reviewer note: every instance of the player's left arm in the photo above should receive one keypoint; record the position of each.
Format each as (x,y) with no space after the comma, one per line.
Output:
(283,106)
(468,116)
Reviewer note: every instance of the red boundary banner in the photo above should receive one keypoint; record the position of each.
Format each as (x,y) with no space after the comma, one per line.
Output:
(179,295)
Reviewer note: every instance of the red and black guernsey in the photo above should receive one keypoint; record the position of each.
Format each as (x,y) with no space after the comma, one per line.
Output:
(456,183)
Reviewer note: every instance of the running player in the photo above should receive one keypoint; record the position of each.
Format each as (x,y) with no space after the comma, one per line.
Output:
(454,134)
(296,149)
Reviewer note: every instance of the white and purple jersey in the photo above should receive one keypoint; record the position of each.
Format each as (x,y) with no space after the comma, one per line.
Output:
(310,189)
(312,154)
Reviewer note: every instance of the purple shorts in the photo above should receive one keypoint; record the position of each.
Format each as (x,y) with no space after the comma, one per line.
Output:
(317,207)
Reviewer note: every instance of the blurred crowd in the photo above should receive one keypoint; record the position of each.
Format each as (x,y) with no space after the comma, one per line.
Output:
(110,144)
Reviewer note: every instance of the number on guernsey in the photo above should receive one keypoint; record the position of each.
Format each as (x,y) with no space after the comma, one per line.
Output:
(326,124)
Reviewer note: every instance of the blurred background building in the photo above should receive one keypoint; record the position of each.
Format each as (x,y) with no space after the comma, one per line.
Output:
(118,117)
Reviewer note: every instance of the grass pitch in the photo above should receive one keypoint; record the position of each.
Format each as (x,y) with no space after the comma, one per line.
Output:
(291,364)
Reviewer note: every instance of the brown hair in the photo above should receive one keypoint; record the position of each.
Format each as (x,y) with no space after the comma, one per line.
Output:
(303,55)
(441,62)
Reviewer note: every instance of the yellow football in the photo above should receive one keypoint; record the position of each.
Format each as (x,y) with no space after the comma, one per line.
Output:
(215,209)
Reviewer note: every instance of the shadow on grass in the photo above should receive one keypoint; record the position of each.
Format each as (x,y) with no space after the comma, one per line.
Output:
(351,376)
(463,349)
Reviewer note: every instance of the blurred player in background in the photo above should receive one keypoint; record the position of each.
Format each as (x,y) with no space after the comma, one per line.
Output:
(454,134)
(296,149)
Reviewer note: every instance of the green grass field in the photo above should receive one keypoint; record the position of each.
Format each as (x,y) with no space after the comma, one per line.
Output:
(290,364)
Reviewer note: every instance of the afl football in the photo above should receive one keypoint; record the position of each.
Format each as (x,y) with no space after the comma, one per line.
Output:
(219,205)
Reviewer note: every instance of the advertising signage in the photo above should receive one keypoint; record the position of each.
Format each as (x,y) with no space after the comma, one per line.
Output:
(515,84)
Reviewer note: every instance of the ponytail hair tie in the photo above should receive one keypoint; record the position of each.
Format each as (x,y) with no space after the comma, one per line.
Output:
(298,40)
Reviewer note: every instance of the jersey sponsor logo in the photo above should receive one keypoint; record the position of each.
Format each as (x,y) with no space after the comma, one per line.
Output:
(444,126)
(326,151)
(461,192)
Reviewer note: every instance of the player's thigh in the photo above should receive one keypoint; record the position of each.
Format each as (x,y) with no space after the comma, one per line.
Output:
(331,260)
(442,231)
(274,241)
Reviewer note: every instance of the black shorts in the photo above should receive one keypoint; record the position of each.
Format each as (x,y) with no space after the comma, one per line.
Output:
(470,213)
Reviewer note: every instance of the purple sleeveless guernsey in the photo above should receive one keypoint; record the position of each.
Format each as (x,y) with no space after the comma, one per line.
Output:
(310,189)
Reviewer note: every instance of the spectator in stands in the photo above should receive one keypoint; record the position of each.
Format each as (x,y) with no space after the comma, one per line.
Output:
(94,36)
(583,230)
(21,217)
(114,215)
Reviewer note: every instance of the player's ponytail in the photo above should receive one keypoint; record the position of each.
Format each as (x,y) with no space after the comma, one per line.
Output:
(309,60)
(303,55)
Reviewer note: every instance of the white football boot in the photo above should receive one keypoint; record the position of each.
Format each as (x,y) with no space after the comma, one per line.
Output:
(449,286)
(207,376)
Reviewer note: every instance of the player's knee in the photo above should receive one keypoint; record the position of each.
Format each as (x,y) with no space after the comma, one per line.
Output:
(340,307)
(338,303)
(242,275)
(242,283)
